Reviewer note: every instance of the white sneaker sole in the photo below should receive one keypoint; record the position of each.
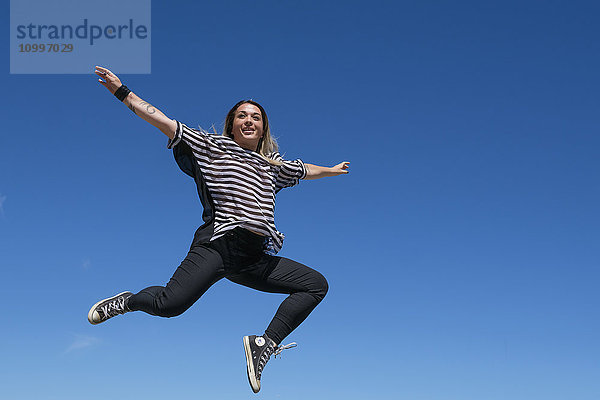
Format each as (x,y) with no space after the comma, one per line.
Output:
(91,312)
(250,366)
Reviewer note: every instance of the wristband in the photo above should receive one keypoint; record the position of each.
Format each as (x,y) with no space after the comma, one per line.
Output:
(122,92)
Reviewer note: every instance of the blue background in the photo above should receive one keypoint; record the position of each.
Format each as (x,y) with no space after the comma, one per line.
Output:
(461,250)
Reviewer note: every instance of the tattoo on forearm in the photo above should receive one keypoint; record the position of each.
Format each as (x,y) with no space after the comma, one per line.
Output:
(149,108)
(132,108)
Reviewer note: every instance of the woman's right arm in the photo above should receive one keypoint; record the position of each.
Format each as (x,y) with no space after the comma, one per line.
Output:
(141,108)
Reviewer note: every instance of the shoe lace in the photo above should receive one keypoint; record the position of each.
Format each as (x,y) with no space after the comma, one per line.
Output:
(117,306)
(271,350)
(279,349)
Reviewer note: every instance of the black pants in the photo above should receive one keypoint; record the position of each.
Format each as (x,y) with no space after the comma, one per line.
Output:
(237,256)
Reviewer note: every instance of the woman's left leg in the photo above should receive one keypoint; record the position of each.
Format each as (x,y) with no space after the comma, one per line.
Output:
(305,286)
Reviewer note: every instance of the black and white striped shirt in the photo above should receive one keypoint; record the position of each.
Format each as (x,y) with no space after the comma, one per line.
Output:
(241,183)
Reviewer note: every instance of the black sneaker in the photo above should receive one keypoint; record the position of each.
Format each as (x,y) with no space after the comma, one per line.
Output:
(108,308)
(258,352)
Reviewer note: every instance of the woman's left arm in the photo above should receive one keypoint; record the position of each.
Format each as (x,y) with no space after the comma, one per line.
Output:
(316,172)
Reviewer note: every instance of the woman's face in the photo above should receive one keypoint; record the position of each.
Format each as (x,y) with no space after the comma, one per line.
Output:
(247,126)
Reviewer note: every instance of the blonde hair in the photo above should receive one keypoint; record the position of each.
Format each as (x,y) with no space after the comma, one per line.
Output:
(267,144)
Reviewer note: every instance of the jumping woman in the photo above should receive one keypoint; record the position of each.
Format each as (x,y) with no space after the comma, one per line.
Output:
(237,175)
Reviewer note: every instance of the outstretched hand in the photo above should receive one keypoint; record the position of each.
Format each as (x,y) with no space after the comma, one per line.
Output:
(341,168)
(111,81)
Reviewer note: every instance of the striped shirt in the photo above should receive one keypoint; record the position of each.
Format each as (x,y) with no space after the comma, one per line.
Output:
(240,182)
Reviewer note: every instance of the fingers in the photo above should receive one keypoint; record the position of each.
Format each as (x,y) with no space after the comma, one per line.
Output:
(100,71)
(111,81)
(100,80)
(100,74)
(344,167)
(103,71)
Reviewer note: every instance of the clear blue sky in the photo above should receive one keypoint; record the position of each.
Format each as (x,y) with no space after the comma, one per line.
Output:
(462,250)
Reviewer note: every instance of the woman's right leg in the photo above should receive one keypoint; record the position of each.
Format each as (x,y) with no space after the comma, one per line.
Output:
(305,286)
(202,267)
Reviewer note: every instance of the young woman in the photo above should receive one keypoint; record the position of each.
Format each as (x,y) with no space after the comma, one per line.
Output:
(237,175)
